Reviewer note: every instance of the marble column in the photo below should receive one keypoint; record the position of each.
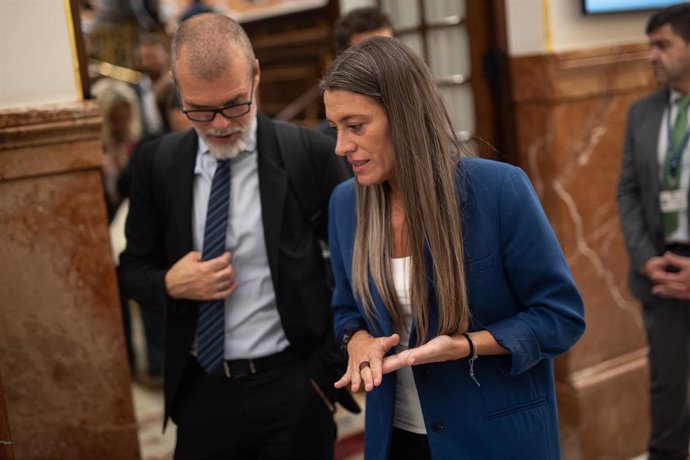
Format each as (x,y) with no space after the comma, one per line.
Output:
(67,386)
(6,448)
(569,115)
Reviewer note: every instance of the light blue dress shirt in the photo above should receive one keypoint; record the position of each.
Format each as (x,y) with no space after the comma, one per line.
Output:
(252,323)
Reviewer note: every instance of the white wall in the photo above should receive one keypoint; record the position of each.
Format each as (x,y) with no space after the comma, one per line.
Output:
(347,5)
(36,64)
(566,27)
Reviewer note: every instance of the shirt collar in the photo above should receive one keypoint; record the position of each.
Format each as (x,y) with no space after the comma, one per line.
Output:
(674,96)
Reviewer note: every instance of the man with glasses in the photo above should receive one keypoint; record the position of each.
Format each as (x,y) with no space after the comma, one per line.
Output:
(217,234)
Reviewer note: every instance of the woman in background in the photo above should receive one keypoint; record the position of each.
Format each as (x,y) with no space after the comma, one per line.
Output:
(120,132)
(452,295)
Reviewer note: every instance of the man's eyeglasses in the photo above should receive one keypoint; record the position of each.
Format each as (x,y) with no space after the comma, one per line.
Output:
(228,111)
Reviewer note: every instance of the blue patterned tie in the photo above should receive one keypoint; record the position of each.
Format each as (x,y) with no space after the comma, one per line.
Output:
(211,327)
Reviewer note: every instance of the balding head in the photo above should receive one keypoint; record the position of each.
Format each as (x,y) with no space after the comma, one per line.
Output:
(207,44)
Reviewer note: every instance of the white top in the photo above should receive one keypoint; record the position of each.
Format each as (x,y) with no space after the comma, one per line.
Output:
(682,233)
(408,409)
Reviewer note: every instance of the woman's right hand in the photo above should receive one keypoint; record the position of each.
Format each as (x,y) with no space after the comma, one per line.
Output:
(365,360)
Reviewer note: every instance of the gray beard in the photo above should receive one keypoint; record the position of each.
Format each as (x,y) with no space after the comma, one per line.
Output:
(226,152)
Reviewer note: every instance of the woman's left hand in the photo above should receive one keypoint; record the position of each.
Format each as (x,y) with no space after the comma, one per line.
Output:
(438,349)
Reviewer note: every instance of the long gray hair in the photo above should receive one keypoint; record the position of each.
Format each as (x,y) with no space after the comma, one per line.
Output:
(426,155)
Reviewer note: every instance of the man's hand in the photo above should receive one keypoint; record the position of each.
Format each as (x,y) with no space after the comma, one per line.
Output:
(194,279)
(655,269)
(671,284)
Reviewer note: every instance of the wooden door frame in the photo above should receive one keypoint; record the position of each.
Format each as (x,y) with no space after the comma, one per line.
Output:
(489,77)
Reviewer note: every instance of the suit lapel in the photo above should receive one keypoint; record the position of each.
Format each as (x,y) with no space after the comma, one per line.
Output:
(180,183)
(649,140)
(649,135)
(273,184)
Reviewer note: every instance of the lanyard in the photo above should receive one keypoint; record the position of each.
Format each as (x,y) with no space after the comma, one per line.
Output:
(673,158)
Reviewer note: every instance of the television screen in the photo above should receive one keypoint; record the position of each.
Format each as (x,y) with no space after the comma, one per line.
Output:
(616,6)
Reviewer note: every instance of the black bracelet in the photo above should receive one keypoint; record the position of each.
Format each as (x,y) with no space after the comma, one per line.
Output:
(472,356)
(347,336)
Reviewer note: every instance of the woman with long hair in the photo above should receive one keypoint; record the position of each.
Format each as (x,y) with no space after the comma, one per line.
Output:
(452,295)
(120,132)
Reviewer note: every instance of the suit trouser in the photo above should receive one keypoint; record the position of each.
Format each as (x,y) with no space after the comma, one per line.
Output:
(667,323)
(270,415)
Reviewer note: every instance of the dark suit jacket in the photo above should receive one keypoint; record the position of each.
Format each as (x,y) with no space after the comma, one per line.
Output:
(638,189)
(159,233)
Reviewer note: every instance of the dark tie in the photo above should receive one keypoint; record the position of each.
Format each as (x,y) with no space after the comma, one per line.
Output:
(211,327)
(678,132)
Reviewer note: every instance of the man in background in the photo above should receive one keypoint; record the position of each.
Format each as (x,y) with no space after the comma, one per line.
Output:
(653,205)
(153,317)
(152,59)
(218,237)
(360,24)
(353,28)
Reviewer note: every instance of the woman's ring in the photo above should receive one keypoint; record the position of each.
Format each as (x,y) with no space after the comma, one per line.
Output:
(363,364)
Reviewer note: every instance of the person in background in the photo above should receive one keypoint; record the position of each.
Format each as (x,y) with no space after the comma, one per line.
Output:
(218,239)
(153,317)
(114,27)
(195,7)
(358,25)
(352,28)
(120,131)
(452,295)
(152,59)
(653,207)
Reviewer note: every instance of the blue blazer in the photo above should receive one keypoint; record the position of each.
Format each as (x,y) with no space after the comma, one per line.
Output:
(519,288)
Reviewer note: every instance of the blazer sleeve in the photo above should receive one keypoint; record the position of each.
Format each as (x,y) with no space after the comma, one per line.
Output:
(637,238)
(142,265)
(346,314)
(551,313)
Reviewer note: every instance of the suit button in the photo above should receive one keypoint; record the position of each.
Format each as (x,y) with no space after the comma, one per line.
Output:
(425,374)
(437,427)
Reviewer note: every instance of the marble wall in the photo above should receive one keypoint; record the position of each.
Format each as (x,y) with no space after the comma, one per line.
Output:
(62,356)
(6,448)
(569,114)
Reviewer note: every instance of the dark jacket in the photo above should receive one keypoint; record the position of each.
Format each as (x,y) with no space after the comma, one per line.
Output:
(638,190)
(159,233)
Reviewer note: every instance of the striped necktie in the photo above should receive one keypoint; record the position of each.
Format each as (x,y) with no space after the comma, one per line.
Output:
(211,326)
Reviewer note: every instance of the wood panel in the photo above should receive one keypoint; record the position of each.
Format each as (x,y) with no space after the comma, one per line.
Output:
(293,51)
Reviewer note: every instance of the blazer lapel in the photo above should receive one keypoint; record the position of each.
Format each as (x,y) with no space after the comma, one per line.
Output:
(273,184)
(180,183)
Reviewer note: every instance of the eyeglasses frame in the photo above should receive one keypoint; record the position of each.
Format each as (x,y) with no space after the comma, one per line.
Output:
(219,110)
